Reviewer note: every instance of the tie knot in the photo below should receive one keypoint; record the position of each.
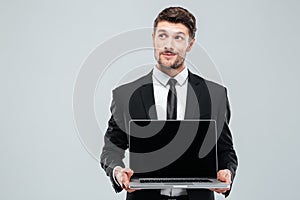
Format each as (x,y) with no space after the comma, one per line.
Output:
(172,82)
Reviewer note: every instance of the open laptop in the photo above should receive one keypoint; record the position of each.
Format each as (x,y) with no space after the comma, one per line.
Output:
(173,154)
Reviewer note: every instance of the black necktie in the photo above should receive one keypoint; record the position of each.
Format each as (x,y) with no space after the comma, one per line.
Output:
(172,100)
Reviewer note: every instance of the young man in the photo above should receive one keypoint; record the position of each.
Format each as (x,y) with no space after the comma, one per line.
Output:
(149,97)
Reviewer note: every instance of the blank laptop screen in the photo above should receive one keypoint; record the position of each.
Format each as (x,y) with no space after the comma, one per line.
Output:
(173,148)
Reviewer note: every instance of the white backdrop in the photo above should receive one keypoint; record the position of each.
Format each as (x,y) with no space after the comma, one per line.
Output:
(255,45)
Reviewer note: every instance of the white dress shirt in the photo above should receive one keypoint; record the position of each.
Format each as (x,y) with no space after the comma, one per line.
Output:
(161,89)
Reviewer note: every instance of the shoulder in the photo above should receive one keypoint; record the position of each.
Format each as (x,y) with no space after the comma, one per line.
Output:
(132,86)
(210,85)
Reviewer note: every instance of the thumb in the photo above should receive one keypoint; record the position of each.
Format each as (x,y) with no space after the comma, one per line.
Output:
(225,176)
(129,172)
(221,176)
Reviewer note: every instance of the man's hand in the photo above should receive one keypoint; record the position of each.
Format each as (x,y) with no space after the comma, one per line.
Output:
(224,176)
(123,177)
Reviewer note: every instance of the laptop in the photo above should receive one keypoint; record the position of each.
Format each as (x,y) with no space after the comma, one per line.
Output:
(173,154)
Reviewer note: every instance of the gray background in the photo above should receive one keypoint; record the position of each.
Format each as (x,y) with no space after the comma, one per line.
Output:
(43,44)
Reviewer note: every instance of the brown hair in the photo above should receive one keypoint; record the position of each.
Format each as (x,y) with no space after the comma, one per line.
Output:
(177,15)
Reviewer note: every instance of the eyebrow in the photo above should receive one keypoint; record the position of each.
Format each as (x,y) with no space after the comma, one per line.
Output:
(164,31)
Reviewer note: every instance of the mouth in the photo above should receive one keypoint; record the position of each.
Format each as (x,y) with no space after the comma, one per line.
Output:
(168,54)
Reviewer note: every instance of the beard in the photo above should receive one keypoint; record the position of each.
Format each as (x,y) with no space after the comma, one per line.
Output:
(175,65)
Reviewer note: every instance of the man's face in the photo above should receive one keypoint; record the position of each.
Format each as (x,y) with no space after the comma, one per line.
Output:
(171,41)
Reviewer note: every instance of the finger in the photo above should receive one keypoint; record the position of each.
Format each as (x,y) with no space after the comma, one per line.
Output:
(125,181)
(126,174)
(228,177)
(132,190)
(224,176)
(219,190)
(129,172)
(221,176)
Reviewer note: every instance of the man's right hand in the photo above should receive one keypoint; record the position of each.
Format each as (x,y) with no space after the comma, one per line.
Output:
(123,175)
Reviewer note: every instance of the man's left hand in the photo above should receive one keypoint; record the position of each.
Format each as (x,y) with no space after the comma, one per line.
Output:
(223,175)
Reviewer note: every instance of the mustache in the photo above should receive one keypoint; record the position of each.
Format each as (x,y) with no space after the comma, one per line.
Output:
(167,51)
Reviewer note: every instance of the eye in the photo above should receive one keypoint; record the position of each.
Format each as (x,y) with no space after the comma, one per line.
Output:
(162,36)
(178,37)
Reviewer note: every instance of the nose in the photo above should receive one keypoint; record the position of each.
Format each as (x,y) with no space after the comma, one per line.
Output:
(168,44)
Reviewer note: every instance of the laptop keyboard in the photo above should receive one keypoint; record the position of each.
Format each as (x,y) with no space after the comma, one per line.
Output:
(176,180)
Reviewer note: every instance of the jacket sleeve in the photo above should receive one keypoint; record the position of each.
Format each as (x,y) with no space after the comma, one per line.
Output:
(227,158)
(115,143)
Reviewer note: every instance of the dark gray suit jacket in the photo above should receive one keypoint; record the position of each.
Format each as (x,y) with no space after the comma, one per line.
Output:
(135,100)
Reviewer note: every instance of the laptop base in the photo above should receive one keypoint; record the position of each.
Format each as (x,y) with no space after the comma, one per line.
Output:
(206,184)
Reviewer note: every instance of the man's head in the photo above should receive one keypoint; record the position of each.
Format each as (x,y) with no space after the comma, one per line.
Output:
(173,36)
(177,15)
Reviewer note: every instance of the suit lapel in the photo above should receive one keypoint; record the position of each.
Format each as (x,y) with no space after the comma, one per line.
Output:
(198,102)
(192,106)
(196,107)
(147,96)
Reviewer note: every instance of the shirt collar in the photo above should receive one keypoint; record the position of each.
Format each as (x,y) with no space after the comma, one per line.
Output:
(164,78)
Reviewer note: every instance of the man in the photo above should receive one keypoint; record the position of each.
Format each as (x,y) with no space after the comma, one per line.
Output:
(169,91)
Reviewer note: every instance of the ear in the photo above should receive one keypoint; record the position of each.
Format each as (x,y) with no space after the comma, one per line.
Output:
(153,35)
(191,43)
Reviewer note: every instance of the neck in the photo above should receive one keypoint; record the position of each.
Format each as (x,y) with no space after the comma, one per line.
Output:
(170,71)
